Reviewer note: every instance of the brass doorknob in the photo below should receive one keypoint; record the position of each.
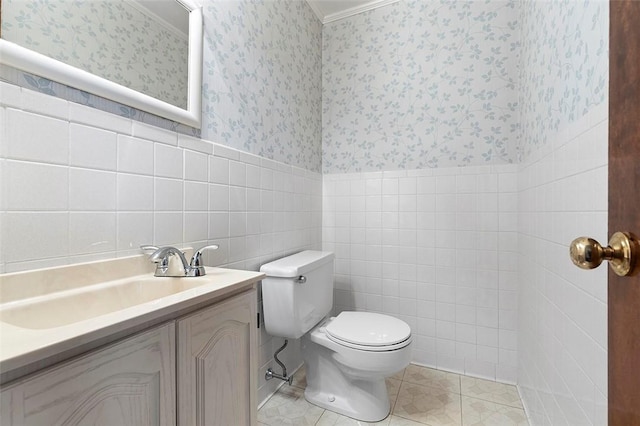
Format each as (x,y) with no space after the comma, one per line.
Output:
(622,253)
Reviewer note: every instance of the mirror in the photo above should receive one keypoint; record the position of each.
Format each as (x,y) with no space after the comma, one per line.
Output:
(146,54)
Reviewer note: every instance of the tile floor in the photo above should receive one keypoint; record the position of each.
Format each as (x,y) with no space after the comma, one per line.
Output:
(418,395)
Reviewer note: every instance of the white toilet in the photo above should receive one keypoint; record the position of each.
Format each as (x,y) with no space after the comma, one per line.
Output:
(347,357)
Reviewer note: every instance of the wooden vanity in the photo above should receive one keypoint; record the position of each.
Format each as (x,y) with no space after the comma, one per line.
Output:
(185,358)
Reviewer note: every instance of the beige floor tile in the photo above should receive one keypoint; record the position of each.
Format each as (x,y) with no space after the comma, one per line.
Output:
(477,412)
(300,378)
(399,421)
(418,396)
(490,391)
(399,374)
(329,418)
(424,376)
(393,387)
(288,407)
(428,405)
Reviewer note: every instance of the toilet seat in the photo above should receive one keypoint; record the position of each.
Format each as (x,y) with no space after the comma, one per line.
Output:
(368,331)
(370,348)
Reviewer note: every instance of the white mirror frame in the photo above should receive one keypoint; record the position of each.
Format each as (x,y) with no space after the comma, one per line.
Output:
(32,62)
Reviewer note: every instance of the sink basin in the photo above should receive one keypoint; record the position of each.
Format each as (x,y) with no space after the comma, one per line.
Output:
(72,306)
(70,309)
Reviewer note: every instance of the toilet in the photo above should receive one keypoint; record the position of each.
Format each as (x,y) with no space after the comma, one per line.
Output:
(347,357)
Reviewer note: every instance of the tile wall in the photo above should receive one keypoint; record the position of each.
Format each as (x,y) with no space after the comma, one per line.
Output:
(437,248)
(79,184)
(562,357)
(562,193)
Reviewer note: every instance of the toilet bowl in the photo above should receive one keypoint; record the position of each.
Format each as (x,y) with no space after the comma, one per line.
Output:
(348,377)
(347,357)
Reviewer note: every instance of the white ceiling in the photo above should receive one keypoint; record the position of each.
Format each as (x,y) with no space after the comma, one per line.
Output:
(332,10)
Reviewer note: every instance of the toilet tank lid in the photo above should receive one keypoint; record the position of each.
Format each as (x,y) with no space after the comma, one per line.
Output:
(297,264)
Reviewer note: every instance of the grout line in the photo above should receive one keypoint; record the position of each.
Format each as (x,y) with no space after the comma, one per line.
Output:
(494,402)
(461,414)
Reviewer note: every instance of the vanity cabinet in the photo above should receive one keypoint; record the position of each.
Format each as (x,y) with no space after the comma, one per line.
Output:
(128,383)
(216,350)
(197,369)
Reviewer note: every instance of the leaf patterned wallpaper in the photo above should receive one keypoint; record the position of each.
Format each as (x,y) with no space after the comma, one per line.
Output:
(416,84)
(262,79)
(108,38)
(420,84)
(565,67)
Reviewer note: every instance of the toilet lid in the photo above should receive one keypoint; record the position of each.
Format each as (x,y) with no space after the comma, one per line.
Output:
(368,329)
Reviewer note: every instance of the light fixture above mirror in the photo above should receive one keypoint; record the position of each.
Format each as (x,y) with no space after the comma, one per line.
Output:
(129,51)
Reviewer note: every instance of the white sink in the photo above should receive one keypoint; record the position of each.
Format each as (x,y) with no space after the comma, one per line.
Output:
(46,312)
(79,304)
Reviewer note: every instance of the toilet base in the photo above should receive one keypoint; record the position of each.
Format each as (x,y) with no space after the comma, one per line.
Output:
(330,388)
(361,405)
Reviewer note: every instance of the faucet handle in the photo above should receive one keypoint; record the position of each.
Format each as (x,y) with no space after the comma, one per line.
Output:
(196,260)
(149,248)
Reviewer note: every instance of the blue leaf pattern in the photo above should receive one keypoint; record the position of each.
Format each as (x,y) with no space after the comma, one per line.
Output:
(262,78)
(415,84)
(420,84)
(566,52)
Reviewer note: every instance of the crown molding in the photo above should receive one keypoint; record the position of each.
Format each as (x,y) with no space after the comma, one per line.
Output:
(316,11)
(373,4)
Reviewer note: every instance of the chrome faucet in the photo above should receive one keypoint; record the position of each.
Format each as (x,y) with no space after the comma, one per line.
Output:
(164,257)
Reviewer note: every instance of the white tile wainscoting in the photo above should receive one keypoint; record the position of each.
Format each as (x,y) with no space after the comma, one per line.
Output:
(79,184)
(438,249)
(562,333)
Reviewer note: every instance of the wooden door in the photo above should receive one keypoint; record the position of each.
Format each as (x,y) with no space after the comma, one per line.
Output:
(129,383)
(624,208)
(216,364)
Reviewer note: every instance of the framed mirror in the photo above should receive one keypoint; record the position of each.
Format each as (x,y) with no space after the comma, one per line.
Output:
(146,54)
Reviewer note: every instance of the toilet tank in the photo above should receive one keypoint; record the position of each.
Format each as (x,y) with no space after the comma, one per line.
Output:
(297,292)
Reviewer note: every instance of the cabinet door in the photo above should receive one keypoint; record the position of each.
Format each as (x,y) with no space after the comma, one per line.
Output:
(129,383)
(216,374)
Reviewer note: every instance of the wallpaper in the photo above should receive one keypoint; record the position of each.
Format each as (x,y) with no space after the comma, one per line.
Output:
(262,79)
(411,85)
(420,84)
(565,72)
(111,39)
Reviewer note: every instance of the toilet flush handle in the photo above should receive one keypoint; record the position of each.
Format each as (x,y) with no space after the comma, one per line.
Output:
(301,279)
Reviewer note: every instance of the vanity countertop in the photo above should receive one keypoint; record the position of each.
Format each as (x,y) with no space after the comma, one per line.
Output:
(50,312)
